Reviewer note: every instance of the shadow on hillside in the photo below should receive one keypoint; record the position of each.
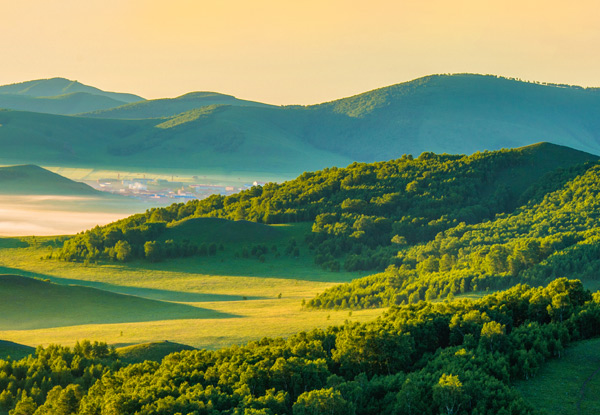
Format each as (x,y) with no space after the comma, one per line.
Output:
(29,304)
(150,293)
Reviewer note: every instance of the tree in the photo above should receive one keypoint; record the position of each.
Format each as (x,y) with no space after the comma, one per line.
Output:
(322,402)
(123,251)
(448,394)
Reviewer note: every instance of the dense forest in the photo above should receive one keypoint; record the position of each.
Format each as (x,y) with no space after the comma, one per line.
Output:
(458,357)
(362,215)
(555,234)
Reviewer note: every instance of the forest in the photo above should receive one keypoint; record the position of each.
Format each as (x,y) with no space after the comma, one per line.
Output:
(452,357)
(361,214)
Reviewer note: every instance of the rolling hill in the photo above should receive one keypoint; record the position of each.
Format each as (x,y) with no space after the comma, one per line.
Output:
(61,86)
(60,96)
(168,107)
(34,180)
(66,104)
(458,114)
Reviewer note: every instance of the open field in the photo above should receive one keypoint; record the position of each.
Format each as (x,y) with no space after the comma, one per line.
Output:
(570,385)
(248,299)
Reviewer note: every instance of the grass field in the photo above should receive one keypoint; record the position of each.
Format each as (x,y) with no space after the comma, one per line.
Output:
(257,299)
(568,386)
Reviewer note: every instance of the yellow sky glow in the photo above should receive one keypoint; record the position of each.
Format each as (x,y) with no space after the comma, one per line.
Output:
(286,52)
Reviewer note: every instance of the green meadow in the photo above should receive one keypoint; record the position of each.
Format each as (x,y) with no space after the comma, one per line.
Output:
(205,302)
(569,385)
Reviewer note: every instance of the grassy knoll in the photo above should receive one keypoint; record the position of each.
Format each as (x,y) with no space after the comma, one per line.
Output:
(224,284)
(570,385)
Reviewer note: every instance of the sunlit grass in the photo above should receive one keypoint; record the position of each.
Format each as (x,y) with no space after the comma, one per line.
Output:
(265,298)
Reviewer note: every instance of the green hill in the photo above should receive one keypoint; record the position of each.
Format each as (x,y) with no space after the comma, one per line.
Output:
(34,180)
(27,303)
(67,104)
(61,86)
(14,350)
(357,211)
(458,114)
(154,351)
(168,107)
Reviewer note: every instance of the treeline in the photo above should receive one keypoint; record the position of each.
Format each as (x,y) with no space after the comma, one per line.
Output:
(362,214)
(453,358)
(128,239)
(553,235)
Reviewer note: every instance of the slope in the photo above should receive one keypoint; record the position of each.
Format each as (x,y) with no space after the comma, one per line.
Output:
(27,303)
(34,180)
(567,386)
(66,104)
(61,86)
(168,107)
(14,350)
(554,233)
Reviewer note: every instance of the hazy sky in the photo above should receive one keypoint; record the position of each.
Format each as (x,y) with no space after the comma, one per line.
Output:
(303,51)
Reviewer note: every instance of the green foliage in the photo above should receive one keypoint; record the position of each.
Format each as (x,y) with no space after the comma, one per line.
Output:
(424,358)
(362,214)
(553,235)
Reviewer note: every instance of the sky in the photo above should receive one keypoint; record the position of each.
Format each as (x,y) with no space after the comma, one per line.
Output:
(294,52)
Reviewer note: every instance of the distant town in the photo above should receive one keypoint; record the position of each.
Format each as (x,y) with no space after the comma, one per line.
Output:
(163,191)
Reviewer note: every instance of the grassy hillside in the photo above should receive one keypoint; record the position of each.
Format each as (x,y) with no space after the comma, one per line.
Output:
(34,180)
(66,104)
(28,303)
(442,113)
(14,350)
(569,385)
(168,107)
(154,351)
(61,86)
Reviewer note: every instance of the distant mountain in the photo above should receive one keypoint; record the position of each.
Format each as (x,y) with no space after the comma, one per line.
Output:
(61,86)
(441,113)
(34,180)
(460,113)
(60,96)
(219,139)
(168,107)
(67,104)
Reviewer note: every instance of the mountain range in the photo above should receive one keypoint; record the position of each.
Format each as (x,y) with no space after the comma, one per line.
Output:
(458,114)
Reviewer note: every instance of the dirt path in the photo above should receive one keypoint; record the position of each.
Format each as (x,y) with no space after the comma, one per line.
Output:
(583,388)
